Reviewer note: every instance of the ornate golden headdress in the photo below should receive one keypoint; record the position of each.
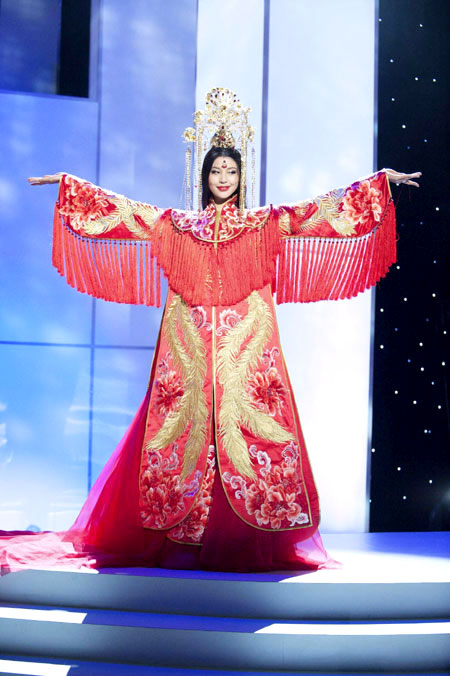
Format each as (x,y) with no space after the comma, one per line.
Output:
(223,114)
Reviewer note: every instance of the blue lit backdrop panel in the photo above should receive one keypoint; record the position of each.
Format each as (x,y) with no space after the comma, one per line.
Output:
(128,141)
(44,395)
(40,134)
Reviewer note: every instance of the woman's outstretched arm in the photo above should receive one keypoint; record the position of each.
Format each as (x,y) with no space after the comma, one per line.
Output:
(103,242)
(339,244)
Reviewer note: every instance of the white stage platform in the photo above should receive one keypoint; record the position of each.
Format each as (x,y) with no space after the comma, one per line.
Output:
(387,610)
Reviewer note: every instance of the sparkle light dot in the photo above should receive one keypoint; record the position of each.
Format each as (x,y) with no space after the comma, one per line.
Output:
(380,20)
(391,60)
(416,78)
(430,481)
(381,309)
(443,363)
(409,361)
(421,344)
(398,267)
(437,208)
(373,450)
(420,25)
(405,299)
(444,332)
(422,369)
(403,126)
(414,402)
(425,140)
(433,295)
(432,382)
(396,329)
(434,79)
(404,497)
(425,431)
(396,392)
(435,262)
(399,469)
(439,406)
(393,98)
(381,347)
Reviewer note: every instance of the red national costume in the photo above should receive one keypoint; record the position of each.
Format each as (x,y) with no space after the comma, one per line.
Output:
(213,472)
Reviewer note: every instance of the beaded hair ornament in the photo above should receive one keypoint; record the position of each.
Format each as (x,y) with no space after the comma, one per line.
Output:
(222,117)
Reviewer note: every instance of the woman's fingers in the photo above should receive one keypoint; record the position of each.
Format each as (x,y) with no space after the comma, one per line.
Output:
(399,177)
(43,180)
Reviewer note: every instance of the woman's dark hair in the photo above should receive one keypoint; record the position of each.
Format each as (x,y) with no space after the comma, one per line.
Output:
(210,156)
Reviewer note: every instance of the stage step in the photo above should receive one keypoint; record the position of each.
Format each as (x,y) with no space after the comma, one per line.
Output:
(223,642)
(383,612)
(16,666)
(305,597)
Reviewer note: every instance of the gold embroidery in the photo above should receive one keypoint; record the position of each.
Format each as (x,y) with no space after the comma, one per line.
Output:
(189,354)
(124,213)
(328,211)
(284,223)
(233,367)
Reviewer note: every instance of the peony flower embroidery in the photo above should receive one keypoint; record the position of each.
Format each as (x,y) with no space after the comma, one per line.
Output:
(279,506)
(254,498)
(285,477)
(362,203)
(84,203)
(267,391)
(191,529)
(169,393)
(271,504)
(161,497)
(273,499)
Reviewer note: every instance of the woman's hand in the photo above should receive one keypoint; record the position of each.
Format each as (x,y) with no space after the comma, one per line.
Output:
(43,180)
(397,177)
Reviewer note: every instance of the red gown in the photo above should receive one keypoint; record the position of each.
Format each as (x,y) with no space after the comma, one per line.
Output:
(213,473)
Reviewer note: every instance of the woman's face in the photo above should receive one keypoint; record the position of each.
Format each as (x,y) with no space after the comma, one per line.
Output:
(223,178)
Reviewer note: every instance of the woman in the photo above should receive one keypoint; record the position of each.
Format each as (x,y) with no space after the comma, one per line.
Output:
(213,473)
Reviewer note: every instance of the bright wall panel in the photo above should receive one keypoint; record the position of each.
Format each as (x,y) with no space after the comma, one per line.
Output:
(321,103)
(232,57)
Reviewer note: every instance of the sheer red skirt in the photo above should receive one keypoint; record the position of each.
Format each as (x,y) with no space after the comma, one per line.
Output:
(108,531)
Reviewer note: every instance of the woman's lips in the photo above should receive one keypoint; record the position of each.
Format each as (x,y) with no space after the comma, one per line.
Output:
(223,188)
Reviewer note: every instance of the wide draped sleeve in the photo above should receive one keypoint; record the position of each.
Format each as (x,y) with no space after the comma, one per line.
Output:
(102,243)
(338,244)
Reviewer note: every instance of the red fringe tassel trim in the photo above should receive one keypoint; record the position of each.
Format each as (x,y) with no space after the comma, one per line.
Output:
(115,270)
(311,268)
(205,275)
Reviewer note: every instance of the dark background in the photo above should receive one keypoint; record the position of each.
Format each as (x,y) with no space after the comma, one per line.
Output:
(44,46)
(410,463)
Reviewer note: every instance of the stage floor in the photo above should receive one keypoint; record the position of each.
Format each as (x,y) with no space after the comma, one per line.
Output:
(365,557)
